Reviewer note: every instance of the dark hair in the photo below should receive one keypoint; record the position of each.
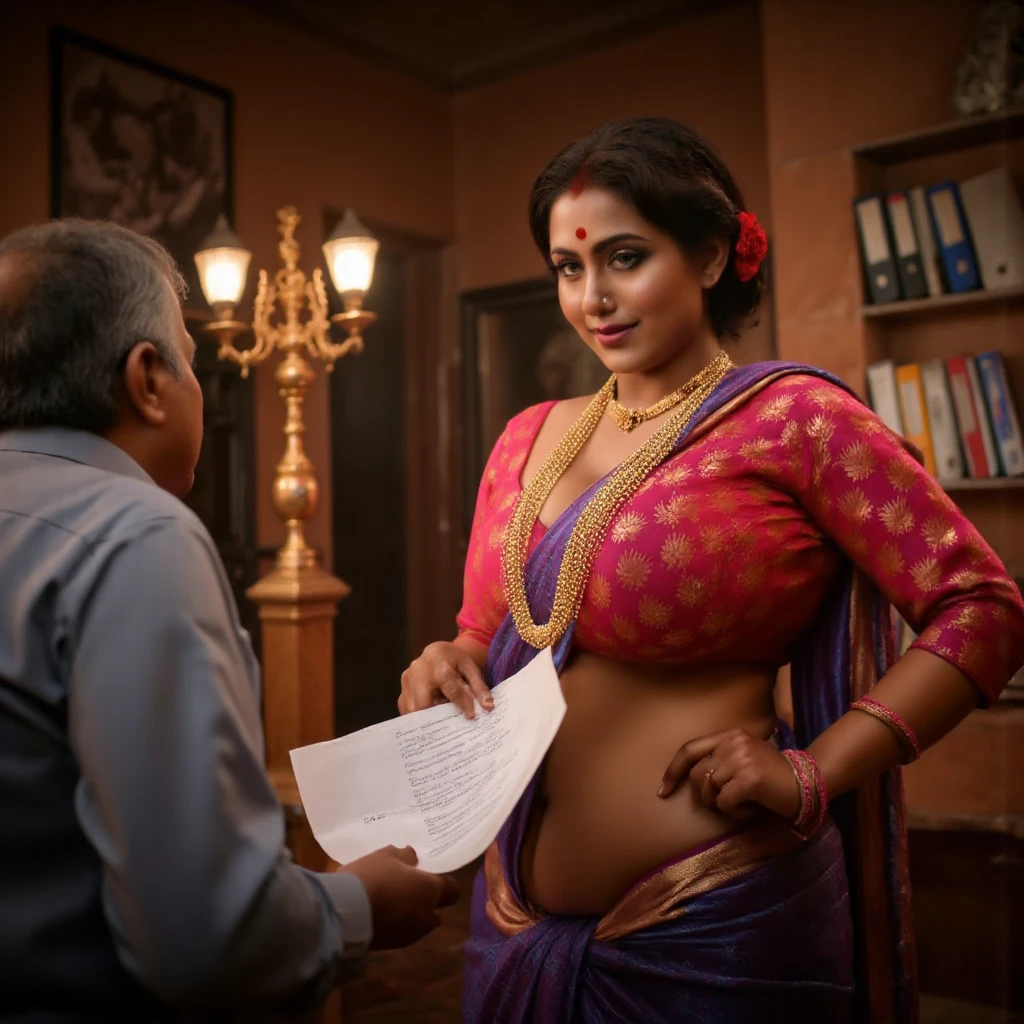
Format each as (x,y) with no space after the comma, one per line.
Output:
(75,297)
(676,180)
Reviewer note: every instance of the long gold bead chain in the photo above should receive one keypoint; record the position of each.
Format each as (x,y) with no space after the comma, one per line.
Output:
(597,515)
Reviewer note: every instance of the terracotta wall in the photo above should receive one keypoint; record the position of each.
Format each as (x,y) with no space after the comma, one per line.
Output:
(313,127)
(706,71)
(836,75)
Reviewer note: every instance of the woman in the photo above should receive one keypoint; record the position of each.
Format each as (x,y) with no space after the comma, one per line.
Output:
(676,539)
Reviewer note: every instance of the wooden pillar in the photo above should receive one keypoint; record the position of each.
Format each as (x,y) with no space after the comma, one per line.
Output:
(297,610)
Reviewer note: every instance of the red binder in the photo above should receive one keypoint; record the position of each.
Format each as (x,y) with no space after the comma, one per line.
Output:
(968,418)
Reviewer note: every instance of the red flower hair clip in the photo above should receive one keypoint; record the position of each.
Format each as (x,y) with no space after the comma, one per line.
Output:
(751,246)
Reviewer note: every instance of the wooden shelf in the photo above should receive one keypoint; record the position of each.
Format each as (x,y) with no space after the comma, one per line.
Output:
(945,138)
(995,483)
(932,821)
(921,307)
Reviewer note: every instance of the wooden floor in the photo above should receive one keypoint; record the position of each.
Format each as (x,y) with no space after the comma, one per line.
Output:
(423,985)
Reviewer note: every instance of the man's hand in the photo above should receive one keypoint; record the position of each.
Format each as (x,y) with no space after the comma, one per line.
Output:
(404,900)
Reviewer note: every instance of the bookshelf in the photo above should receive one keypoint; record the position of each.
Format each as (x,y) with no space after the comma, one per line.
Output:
(940,303)
(968,782)
(965,133)
(968,323)
(995,483)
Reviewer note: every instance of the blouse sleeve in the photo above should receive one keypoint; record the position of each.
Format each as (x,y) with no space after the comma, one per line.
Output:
(482,609)
(894,520)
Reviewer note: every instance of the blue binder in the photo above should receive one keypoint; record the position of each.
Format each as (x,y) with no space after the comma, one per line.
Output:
(953,237)
(1002,413)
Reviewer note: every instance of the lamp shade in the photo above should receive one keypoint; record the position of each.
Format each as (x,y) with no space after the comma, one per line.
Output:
(222,262)
(351,252)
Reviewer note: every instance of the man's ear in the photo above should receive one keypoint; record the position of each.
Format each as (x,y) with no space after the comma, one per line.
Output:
(714,258)
(145,380)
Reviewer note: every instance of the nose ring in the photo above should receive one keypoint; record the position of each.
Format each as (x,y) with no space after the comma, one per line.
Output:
(605,300)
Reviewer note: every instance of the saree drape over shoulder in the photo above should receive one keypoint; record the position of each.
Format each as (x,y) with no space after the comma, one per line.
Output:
(789,517)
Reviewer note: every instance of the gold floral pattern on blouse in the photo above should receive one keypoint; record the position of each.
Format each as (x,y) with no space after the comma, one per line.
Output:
(633,569)
(654,613)
(776,408)
(733,543)
(938,533)
(856,506)
(897,516)
(676,551)
(628,527)
(599,591)
(857,461)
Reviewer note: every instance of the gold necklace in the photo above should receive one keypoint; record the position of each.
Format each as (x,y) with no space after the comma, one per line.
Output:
(597,514)
(627,419)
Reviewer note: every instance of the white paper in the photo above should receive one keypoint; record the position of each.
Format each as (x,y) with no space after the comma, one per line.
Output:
(433,780)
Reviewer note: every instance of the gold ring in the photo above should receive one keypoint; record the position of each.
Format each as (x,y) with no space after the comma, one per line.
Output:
(709,776)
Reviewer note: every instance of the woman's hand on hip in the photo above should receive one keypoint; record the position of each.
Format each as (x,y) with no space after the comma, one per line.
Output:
(733,770)
(444,673)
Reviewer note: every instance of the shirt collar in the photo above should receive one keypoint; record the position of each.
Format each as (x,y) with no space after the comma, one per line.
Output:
(75,446)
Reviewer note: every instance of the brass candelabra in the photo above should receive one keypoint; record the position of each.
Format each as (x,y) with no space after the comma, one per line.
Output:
(290,316)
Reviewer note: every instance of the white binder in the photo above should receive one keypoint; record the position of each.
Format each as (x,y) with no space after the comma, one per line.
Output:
(949,461)
(883,395)
(996,219)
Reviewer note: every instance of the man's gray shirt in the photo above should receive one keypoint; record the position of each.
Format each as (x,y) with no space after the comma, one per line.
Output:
(141,844)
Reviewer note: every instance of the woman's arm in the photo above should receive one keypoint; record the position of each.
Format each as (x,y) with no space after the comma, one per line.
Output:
(900,528)
(927,692)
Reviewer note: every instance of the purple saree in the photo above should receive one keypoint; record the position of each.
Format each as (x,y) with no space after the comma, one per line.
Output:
(753,927)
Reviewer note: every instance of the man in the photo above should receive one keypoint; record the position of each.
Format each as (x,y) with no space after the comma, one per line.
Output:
(142,868)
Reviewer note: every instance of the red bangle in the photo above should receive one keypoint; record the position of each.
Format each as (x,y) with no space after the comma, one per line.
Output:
(875,708)
(813,796)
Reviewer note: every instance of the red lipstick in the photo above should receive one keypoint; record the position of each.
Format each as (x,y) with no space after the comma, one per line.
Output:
(612,335)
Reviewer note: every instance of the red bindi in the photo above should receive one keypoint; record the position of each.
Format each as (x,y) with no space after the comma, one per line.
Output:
(581,232)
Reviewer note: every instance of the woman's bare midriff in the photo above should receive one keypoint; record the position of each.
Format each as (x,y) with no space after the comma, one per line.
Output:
(598,824)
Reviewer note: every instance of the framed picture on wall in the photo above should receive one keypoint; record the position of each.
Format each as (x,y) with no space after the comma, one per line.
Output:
(140,144)
(517,350)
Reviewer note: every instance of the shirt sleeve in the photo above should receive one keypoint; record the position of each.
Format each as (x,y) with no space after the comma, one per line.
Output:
(204,903)
(897,524)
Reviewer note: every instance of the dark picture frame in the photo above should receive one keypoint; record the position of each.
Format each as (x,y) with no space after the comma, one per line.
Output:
(140,144)
(517,350)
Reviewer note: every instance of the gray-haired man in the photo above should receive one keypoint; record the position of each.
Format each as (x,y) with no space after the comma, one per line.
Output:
(142,871)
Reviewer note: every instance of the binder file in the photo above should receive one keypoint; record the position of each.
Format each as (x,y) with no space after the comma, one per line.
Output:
(915,412)
(884,397)
(972,421)
(1005,425)
(949,462)
(996,220)
(905,242)
(877,256)
(954,238)
(930,260)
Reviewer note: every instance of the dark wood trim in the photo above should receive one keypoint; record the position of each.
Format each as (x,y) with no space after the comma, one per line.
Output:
(431,409)
(434,556)
(473,305)
(939,303)
(964,133)
(593,33)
